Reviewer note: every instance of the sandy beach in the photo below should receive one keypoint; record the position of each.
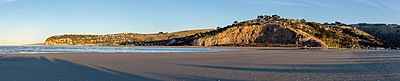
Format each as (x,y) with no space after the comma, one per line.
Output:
(272,64)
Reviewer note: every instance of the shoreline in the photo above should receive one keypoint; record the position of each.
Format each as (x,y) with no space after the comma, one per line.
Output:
(220,47)
(202,48)
(242,64)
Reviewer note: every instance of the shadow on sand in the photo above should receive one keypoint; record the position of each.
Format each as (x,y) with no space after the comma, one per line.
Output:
(183,77)
(367,65)
(43,69)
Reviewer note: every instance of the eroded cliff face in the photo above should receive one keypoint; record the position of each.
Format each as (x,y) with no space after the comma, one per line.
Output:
(258,35)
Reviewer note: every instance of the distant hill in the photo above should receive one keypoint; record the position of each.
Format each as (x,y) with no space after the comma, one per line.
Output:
(36,44)
(265,31)
(389,33)
(115,39)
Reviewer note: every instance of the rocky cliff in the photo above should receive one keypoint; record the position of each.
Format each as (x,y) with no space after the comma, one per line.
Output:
(255,35)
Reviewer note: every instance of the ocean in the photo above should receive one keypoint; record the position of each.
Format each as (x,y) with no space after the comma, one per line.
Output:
(93,49)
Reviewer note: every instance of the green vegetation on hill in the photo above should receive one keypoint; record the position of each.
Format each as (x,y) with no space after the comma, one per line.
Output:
(388,33)
(336,35)
(114,39)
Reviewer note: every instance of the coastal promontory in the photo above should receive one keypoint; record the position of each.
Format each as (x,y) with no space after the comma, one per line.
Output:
(263,31)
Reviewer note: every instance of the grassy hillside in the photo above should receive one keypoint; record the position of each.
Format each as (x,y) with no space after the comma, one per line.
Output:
(387,32)
(115,39)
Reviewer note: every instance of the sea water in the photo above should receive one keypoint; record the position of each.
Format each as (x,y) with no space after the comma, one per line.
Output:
(93,49)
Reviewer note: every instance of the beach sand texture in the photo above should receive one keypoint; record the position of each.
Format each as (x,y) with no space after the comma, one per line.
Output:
(272,64)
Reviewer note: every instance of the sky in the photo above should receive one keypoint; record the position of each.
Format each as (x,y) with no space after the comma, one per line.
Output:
(32,21)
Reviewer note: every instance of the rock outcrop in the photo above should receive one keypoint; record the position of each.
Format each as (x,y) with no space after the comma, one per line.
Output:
(256,35)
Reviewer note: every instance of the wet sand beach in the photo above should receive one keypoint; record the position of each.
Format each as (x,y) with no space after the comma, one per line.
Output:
(239,64)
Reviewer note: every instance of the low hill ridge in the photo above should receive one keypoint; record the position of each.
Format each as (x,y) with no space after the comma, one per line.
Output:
(266,31)
(115,39)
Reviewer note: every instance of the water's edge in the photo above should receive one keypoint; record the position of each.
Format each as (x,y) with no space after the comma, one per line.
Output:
(95,49)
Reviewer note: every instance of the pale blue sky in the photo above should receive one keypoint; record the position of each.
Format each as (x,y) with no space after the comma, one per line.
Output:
(31,21)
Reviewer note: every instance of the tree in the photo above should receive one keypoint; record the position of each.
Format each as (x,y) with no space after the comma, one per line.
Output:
(303,21)
(235,22)
(267,16)
(338,23)
(276,16)
(260,17)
